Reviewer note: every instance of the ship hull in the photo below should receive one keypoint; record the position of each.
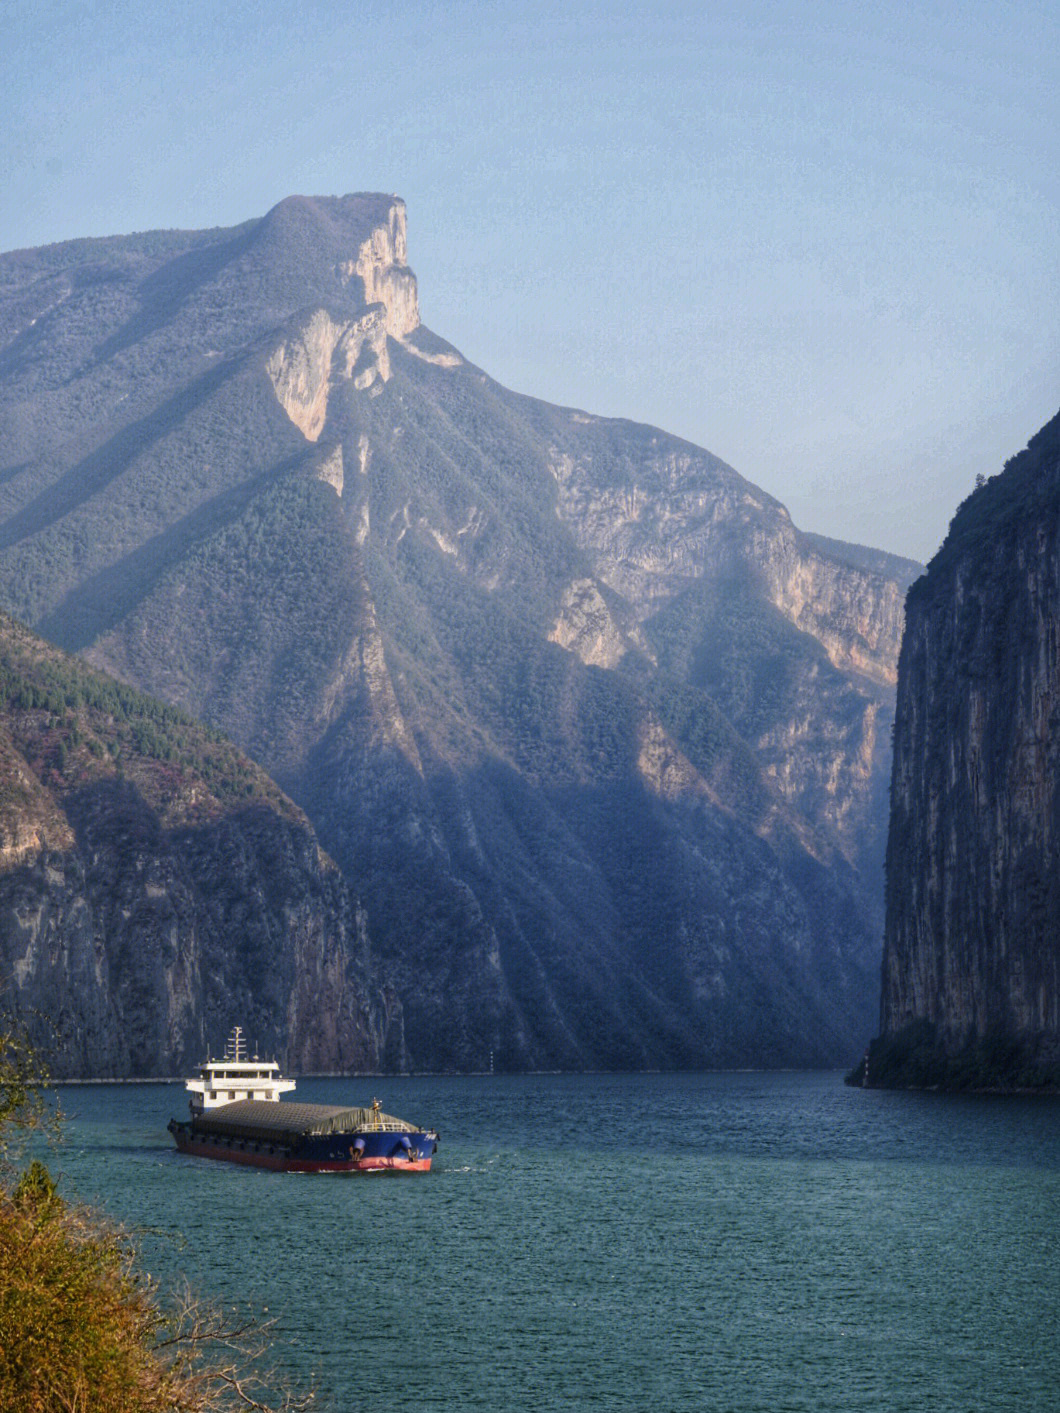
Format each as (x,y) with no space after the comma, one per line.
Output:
(337,1153)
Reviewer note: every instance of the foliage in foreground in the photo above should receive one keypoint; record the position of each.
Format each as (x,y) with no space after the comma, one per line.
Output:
(82,1329)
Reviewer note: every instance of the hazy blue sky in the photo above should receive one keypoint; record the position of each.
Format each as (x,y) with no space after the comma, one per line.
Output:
(819,239)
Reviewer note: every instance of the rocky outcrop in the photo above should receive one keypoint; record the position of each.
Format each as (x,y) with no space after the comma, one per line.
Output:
(155,888)
(382,266)
(132,953)
(665,523)
(971,973)
(331,469)
(587,626)
(304,367)
(324,346)
(678,517)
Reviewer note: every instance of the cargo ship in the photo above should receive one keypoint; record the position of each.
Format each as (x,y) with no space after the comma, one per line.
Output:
(237,1115)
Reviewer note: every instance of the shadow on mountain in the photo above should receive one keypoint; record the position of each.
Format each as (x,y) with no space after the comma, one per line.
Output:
(163,294)
(104,599)
(97,470)
(597,925)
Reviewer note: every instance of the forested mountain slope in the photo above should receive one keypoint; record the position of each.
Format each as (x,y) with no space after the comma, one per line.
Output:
(156,888)
(599,737)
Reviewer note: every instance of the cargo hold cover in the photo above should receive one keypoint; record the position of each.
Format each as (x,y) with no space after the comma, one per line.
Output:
(273,1122)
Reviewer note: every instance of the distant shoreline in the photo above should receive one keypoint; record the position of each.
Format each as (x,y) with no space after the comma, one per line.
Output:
(463,1074)
(182,1079)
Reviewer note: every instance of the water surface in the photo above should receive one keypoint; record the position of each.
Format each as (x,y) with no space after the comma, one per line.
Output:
(688,1242)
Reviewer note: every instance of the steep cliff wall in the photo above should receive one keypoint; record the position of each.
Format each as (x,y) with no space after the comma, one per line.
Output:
(971,974)
(155,888)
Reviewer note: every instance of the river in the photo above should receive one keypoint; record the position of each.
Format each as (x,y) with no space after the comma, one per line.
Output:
(737,1242)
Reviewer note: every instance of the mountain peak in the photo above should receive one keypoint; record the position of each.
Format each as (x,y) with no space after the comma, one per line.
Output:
(356,240)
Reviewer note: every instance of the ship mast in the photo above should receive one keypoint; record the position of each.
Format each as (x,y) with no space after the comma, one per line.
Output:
(236,1047)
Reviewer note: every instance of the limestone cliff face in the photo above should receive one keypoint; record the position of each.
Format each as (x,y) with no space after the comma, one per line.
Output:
(668,521)
(304,367)
(588,626)
(971,976)
(677,517)
(854,613)
(328,345)
(382,266)
(130,954)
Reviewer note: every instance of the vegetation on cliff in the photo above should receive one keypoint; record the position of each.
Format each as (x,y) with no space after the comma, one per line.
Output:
(155,884)
(1023,494)
(75,727)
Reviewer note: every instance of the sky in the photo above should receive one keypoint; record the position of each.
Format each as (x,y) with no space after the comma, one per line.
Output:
(820,240)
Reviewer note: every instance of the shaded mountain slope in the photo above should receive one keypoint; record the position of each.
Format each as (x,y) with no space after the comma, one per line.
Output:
(971,975)
(155,886)
(600,738)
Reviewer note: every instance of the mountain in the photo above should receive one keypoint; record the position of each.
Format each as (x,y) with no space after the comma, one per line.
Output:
(155,887)
(597,735)
(971,974)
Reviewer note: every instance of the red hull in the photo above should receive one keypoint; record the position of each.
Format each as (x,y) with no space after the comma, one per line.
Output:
(279,1162)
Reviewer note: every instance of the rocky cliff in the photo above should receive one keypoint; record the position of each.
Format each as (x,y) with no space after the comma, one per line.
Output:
(971,974)
(155,888)
(598,736)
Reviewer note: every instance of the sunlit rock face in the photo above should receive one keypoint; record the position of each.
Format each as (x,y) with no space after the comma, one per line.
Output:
(971,976)
(597,737)
(670,523)
(382,266)
(304,367)
(323,347)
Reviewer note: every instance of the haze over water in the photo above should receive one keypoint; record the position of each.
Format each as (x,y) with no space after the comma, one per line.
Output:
(728,1241)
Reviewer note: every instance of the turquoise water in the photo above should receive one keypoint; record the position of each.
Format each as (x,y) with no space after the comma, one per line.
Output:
(713,1241)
